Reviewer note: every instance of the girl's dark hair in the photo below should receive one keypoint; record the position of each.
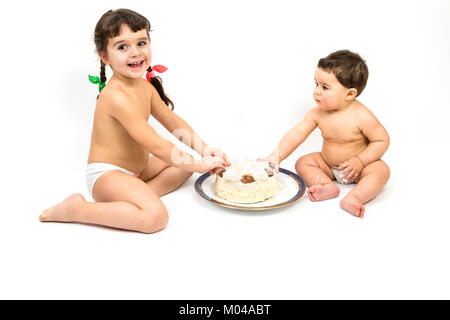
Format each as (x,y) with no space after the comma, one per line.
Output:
(109,26)
(348,67)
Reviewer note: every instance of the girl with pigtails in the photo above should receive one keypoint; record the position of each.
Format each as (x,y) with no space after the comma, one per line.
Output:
(122,177)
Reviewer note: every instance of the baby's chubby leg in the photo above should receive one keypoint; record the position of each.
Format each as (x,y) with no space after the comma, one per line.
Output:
(318,177)
(372,179)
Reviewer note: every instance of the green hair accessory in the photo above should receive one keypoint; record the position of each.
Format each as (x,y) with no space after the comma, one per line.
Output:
(96,80)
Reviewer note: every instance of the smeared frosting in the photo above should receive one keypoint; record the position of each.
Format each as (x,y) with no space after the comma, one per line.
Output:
(256,169)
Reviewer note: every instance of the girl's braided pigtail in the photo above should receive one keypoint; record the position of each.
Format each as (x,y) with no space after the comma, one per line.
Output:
(102,75)
(157,83)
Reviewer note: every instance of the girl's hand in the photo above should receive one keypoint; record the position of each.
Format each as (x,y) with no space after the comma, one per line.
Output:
(216,152)
(351,168)
(273,161)
(210,163)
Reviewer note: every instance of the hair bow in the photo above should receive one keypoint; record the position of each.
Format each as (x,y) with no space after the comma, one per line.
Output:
(158,68)
(96,80)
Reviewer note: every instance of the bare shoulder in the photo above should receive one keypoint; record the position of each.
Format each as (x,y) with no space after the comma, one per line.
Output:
(148,86)
(315,114)
(114,100)
(363,113)
(369,124)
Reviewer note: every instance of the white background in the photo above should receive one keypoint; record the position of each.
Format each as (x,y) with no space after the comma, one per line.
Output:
(241,73)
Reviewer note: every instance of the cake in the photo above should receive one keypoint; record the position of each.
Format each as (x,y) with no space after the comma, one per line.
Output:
(246,182)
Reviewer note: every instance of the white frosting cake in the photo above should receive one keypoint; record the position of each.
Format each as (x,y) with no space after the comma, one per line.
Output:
(246,182)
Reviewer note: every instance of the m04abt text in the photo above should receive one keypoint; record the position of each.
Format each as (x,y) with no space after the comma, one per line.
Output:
(246,309)
(226,309)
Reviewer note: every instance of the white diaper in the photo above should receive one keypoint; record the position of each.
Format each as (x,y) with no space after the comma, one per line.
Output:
(96,169)
(341,178)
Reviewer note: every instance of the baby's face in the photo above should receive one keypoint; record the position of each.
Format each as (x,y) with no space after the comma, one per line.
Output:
(129,53)
(329,93)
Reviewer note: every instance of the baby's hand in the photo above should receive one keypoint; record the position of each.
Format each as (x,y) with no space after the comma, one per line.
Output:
(214,151)
(210,163)
(351,168)
(273,161)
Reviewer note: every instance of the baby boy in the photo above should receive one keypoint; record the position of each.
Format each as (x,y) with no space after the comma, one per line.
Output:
(353,139)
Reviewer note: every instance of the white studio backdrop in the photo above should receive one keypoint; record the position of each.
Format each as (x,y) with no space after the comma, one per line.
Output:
(241,73)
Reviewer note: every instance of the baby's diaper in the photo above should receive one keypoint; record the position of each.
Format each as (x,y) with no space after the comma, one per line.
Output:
(341,178)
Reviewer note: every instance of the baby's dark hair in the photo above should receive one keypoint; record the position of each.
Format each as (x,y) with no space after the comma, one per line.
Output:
(109,26)
(348,67)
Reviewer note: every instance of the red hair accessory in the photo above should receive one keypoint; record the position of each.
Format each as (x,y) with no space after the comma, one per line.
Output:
(158,68)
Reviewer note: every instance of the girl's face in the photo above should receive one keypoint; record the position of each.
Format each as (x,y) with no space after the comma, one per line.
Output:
(129,53)
(329,93)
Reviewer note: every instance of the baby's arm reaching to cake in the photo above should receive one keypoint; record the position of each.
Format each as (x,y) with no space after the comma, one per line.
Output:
(292,139)
(378,138)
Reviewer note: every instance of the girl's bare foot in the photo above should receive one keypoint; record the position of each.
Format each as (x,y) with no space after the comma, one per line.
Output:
(352,204)
(64,211)
(323,192)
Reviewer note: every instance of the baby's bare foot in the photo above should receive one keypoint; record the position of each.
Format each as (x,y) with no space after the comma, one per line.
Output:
(323,192)
(64,211)
(352,204)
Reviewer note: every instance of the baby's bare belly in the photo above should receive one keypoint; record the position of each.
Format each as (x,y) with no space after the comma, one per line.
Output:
(334,153)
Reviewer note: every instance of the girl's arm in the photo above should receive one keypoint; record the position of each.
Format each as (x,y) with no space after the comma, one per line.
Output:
(175,124)
(180,128)
(128,114)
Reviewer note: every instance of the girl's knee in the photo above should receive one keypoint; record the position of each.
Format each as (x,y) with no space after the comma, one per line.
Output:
(179,176)
(188,174)
(155,219)
(182,174)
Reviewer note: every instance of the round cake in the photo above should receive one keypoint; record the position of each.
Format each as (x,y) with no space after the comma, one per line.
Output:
(246,182)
